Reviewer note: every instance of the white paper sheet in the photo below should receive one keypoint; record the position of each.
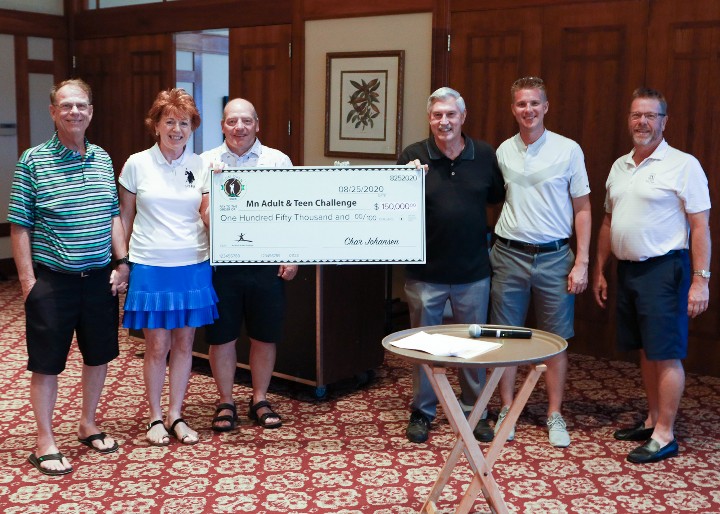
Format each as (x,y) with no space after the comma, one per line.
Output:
(446,346)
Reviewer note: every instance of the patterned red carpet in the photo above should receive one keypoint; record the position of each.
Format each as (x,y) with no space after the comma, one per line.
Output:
(346,454)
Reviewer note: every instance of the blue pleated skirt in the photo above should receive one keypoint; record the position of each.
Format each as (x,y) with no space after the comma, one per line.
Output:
(170,297)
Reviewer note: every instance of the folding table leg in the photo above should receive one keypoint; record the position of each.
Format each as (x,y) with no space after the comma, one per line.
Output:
(463,430)
(513,414)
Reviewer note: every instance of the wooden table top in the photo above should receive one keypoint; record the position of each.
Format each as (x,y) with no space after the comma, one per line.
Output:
(513,352)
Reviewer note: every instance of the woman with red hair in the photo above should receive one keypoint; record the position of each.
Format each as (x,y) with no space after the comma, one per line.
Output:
(163,204)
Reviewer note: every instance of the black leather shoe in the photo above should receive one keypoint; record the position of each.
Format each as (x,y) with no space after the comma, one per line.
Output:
(651,452)
(483,432)
(636,433)
(418,428)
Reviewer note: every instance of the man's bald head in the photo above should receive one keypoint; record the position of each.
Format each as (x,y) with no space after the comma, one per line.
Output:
(240,125)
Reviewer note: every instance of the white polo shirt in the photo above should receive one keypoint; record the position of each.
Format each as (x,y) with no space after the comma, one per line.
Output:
(649,202)
(258,156)
(167,230)
(540,182)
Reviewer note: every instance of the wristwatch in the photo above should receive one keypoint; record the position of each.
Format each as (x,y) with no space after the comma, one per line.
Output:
(702,273)
(124,260)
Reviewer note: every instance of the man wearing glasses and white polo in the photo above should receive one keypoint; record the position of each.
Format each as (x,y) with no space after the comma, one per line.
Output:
(657,210)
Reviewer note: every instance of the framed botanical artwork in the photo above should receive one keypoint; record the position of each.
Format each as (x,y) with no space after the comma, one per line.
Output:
(363,104)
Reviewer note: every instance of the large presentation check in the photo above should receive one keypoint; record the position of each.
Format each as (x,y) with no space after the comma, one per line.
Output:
(318,215)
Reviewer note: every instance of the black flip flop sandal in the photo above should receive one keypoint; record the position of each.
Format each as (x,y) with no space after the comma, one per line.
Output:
(99,437)
(36,461)
(181,439)
(150,426)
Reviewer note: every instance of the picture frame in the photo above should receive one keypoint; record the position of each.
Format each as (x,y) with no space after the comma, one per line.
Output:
(363,104)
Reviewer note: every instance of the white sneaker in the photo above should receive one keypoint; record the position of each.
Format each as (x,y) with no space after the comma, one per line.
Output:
(501,418)
(557,431)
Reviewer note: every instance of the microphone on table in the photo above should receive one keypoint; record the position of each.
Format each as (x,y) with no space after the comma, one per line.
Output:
(505,333)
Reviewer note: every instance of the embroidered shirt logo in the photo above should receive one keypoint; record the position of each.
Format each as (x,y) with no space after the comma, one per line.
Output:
(190,178)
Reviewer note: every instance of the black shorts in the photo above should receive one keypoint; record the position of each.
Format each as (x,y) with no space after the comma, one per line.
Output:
(253,294)
(652,302)
(60,304)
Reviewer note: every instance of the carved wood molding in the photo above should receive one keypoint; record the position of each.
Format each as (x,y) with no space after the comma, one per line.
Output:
(174,17)
(21,23)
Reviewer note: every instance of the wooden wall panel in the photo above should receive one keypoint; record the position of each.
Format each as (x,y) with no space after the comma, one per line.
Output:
(489,5)
(260,71)
(327,9)
(22,93)
(32,24)
(440,33)
(297,92)
(170,17)
(126,75)
(685,65)
(591,65)
(489,51)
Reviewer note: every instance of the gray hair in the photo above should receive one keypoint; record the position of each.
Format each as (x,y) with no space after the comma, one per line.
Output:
(443,94)
(653,94)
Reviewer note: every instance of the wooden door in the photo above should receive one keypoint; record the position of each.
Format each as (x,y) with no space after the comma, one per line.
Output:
(489,50)
(683,62)
(260,73)
(126,74)
(593,58)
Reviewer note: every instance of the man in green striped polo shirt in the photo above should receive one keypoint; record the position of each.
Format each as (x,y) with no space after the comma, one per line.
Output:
(65,231)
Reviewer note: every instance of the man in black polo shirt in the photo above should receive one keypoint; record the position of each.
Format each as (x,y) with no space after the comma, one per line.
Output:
(462,176)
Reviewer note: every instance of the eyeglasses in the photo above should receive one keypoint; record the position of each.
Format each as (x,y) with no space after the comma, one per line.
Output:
(650,116)
(67,107)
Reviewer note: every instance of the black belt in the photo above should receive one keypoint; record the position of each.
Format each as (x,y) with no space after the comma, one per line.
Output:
(533,248)
(79,274)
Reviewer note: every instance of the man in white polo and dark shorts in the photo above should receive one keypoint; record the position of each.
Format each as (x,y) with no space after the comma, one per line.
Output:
(657,207)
